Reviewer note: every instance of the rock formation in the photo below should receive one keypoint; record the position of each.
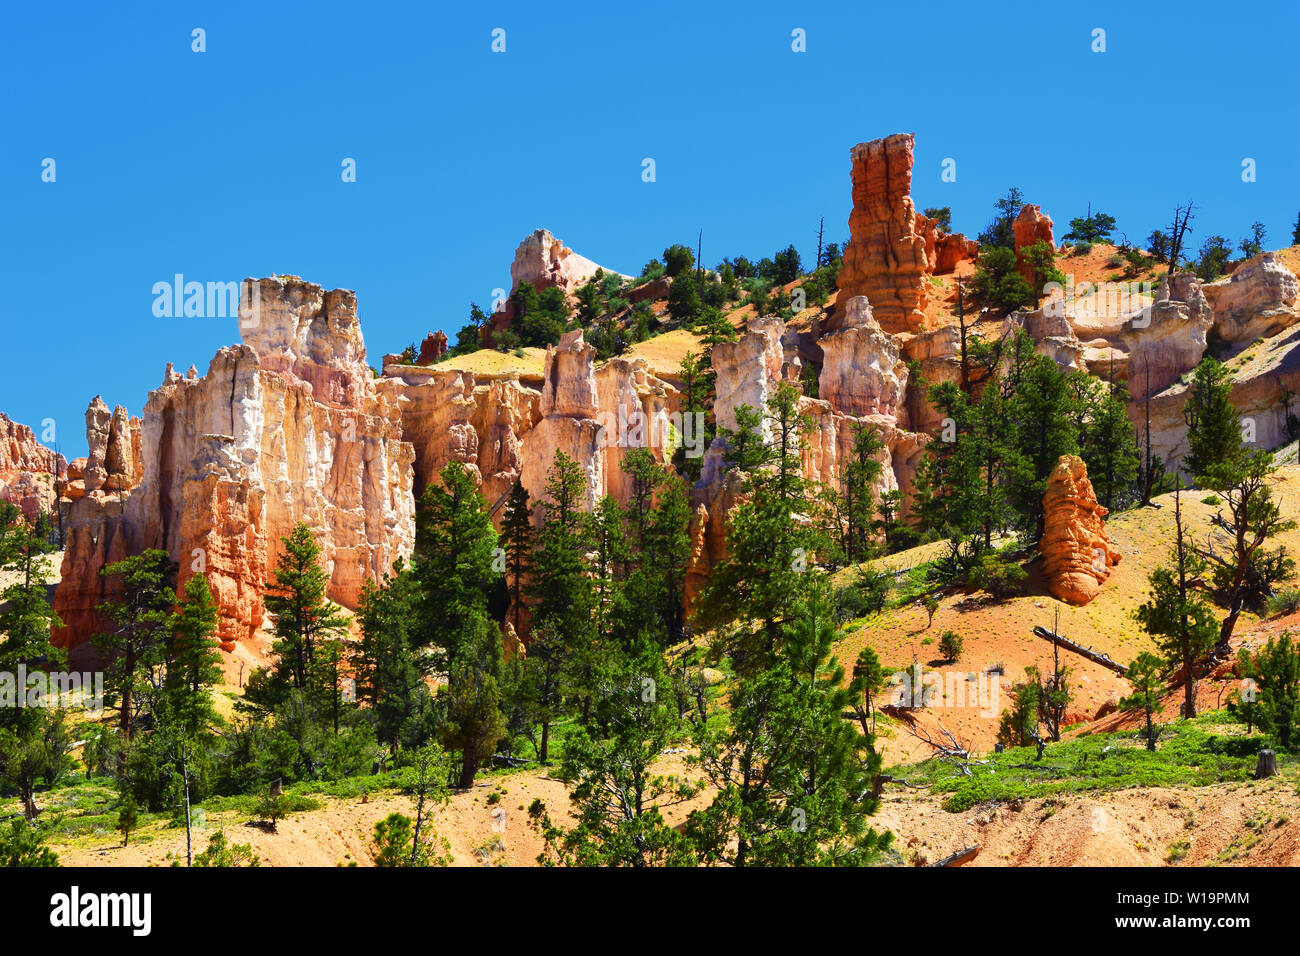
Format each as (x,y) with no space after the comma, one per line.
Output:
(30,473)
(432,348)
(886,256)
(286,427)
(1031,226)
(862,380)
(507,428)
(1256,301)
(892,249)
(1077,554)
(544,261)
(862,373)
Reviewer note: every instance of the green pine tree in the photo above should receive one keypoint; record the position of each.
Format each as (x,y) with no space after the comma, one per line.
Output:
(302,617)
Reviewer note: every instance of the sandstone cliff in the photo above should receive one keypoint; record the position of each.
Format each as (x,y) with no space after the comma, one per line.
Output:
(286,427)
(29,472)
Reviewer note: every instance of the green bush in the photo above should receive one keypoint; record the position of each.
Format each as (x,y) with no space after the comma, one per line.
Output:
(1285,601)
(997,575)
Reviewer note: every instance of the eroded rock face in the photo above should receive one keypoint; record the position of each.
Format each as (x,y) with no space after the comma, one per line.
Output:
(287,427)
(432,348)
(1052,332)
(1170,339)
(544,261)
(951,250)
(887,257)
(862,373)
(507,428)
(1077,553)
(29,472)
(893,250)
(865,374)
(1265,383)
(1256,301)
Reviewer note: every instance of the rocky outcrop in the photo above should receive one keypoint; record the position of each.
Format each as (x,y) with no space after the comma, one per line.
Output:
(30,473)
(893,250)
(1169,338)
(1077,553)
(1031,226)
(287,427)
(951,249)
(1265,393)
(1258,300)
(114,461)
(862,373)
(1052,332)
(508,428)
(886,259)
(544,261)
(432,348)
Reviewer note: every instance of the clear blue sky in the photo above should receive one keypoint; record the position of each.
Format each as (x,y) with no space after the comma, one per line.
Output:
(226,164)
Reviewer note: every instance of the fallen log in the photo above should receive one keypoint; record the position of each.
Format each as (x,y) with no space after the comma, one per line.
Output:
(960,857)
(1087,652)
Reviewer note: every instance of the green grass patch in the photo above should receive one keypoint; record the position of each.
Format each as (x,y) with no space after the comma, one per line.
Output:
(1190,754)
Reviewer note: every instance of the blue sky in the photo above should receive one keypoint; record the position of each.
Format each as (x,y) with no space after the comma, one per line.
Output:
(226,164)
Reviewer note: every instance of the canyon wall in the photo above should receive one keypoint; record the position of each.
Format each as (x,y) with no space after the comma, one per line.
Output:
(286,427)
(30,473)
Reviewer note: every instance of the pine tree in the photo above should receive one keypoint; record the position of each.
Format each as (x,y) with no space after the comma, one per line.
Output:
(1213,426)
(1041,407)
(658,549)
(795,782)
(1109,447)
(1176,616)
(769,544)
(472,695)
(455,549)
(1253,518)
(390,675)
(697,397)
(852,504)
(1144,674)
(517,539)
(618,793)
(1277,670)
(193,659)
(302,617)
(25,613)
(141,618)
(561,592)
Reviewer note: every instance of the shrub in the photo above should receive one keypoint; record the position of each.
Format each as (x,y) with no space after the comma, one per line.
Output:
(997,575)
(1285,601)
(950,644)
(996,282)
(222,853)
(868,594)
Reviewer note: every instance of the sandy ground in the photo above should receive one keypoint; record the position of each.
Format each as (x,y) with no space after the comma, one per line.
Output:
(1225,824)
(341,831)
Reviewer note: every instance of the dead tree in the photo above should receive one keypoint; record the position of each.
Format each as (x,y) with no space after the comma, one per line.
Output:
(946,748)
